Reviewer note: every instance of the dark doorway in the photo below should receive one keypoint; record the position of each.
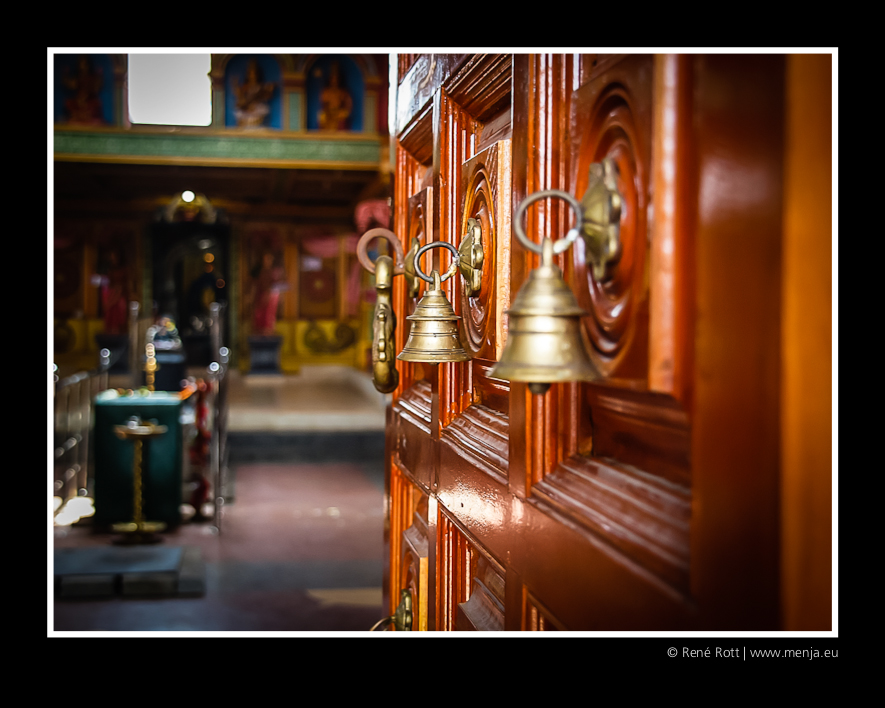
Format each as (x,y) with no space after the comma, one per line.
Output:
(191,269)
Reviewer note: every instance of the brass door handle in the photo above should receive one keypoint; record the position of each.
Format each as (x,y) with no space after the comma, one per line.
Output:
(385,377)
(384,373)
(401,619)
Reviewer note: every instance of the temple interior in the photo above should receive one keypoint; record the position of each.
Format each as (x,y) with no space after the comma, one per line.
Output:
(240,236)
(465,342)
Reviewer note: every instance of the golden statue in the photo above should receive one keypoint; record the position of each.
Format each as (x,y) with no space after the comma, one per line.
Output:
(252,97)
(335,104)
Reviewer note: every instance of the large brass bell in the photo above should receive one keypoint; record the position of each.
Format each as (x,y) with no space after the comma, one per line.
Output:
(544,341)
(434,336)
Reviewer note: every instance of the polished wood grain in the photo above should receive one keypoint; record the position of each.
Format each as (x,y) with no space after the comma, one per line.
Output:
(807,354)
(738,110)
(482,85)
(480,437)
(415,431)
(417,138)
(671,254)
(483,610)
(409,188)
(420,84)
(453,571)
(415,564)
(418,225)
(401,499)
(454,143)
(637,514)
(534,616)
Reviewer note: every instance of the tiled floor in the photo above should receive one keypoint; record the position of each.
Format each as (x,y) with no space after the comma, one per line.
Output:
(301,546)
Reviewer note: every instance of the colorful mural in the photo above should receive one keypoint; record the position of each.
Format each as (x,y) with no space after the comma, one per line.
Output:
(83,89)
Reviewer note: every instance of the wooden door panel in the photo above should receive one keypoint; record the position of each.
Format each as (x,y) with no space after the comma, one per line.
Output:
(603,505)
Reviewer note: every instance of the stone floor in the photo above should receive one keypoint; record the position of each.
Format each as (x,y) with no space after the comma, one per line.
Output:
(300,549)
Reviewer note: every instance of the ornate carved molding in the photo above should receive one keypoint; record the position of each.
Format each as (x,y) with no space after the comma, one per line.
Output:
(639,516)
(480,436)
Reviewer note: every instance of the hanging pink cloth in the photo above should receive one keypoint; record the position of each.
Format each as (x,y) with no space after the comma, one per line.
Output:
(369,210)
(328,247)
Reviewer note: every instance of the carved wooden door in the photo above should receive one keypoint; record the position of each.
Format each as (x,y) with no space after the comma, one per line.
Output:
(646,500)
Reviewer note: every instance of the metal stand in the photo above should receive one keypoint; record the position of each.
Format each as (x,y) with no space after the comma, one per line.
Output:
(138,531)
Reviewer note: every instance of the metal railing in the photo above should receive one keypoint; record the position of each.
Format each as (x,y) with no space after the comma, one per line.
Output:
(72,423)
(73,414)
(218,380)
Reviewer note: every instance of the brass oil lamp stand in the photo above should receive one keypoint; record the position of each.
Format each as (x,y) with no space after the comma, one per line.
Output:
(138,531)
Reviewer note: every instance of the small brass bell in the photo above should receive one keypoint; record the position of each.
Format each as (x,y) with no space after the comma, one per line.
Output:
(544,343)
(434,336)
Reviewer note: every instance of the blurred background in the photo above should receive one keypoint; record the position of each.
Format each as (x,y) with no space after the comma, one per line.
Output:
(210,203)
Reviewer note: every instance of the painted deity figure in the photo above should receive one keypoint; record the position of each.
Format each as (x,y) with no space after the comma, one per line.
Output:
(267,285)
(115,295)
(335,104)
(252,97)
(84,107)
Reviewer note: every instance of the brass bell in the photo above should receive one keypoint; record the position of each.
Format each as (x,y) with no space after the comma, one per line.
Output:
(544,342)
(434,336)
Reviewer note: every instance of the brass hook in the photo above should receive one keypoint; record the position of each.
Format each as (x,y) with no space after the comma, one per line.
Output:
(385,377)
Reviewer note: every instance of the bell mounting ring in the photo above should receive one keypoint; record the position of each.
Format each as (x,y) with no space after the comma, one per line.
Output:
(371,235)
(559,245)
(453,268)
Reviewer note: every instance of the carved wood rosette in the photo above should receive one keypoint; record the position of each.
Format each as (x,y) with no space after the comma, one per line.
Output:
(611,118)
(486,181)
